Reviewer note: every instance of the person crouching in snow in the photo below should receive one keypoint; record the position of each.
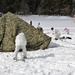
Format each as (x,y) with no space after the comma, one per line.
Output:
(56,33)
(66,30)
(40,29)
(20,43)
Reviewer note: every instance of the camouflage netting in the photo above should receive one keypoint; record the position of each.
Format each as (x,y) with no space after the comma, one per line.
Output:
(11,25)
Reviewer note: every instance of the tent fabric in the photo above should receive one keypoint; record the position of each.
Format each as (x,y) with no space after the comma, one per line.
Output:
(11,25)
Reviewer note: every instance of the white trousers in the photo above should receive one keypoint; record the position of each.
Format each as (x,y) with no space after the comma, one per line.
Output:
(17,48)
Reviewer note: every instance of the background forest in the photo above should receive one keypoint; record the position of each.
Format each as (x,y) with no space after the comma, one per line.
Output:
(41,7)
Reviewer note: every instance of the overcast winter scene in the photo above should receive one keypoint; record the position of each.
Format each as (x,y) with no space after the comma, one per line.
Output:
(37,37)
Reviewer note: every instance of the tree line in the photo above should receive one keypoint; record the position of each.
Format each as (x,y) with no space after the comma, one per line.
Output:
(41,7)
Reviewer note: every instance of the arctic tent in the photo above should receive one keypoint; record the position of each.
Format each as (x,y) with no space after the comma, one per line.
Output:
(11,25)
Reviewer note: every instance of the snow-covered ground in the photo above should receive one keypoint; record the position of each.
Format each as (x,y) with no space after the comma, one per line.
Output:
(58,59)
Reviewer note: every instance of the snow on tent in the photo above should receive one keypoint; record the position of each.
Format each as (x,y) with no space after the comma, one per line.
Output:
(11,25)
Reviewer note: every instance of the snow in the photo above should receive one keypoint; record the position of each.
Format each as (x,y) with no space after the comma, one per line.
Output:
(57,59)
(46,22)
